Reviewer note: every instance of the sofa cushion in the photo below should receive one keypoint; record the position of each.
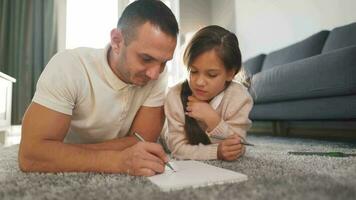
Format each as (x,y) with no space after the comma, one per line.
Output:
(341,37)
(328,108)
(324,75)
(254,65)
(308,47)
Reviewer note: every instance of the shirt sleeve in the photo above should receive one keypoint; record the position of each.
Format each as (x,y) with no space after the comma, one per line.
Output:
(57,87)
(177,141)
(158,91)
(235,120)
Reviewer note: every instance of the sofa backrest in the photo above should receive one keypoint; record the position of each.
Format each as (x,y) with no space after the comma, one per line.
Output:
(340,37)
(310,46)
(254,65)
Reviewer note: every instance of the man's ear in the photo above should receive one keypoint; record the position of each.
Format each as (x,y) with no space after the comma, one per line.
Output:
(117,39)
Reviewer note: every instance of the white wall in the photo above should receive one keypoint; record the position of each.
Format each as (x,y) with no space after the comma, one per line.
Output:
(223,13)
(61,6)
(263,26)
(193,15)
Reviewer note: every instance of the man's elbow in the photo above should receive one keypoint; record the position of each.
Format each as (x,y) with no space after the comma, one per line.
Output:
(24,163)
(25,159)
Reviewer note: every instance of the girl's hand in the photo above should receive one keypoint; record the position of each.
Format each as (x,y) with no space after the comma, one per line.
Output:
(230,148)
(202,111)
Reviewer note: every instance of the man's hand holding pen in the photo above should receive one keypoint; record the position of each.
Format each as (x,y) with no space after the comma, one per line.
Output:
(144,159)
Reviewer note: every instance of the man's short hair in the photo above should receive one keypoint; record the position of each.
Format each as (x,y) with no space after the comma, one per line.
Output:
(142,11)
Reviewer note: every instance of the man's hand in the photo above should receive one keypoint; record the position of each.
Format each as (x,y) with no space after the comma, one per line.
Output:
(143,159)
(231,148)
(202,111)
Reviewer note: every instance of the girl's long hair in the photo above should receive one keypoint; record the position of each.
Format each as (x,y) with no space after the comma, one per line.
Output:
(227,49)
(194,133)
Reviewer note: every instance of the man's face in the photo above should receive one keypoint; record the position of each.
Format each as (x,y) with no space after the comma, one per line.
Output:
(145,57)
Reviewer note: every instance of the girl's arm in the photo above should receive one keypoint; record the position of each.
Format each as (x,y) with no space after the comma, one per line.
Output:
(234,121)
(233,125)
(176,138)
(235,118)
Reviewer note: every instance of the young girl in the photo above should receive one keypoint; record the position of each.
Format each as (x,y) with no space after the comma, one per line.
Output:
(209,104)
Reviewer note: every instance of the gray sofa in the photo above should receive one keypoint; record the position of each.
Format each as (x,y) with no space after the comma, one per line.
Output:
(314,79)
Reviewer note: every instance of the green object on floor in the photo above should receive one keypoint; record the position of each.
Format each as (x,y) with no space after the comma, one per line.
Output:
(329,154)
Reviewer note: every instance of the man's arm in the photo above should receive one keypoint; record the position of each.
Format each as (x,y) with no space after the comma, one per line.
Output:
(148,122)
(42,149)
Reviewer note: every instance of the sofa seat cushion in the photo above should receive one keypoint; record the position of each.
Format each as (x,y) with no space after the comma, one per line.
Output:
(341,37)
(308,47)
(254,64)
(329,108)
(330,74)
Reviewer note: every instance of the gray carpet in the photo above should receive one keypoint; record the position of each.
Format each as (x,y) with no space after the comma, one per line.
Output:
(273,174)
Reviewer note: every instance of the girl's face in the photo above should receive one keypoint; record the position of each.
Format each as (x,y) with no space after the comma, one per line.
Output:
(208,76)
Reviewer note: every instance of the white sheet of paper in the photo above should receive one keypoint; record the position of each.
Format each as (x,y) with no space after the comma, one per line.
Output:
(194,174)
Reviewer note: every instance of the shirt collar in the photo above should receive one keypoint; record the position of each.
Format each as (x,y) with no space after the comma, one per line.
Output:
(215,102)
(115,82)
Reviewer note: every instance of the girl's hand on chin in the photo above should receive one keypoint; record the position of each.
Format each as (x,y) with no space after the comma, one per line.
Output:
(193,99)
(200,110)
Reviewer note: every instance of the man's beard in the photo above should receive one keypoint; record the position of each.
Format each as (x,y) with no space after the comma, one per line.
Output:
(143,79)
(123,70)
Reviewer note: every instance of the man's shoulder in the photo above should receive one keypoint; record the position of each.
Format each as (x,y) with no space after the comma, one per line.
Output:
(70,65)
(80,52)
(67,56)
(75,60)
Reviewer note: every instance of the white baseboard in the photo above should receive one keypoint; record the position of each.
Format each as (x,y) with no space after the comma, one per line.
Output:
(15,130)
(10,136)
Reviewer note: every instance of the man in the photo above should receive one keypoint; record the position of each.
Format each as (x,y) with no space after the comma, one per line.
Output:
(88,102)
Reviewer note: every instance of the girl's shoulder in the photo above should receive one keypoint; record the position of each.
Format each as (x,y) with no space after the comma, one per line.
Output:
(173,99)
(238,88)
(173,94)
(175,89)
(235,97)
(237,91)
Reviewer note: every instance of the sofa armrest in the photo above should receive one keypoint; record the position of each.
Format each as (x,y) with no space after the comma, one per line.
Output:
(254,65)
(329,74)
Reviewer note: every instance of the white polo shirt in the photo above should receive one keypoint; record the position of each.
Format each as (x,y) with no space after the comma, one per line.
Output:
(80,83)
